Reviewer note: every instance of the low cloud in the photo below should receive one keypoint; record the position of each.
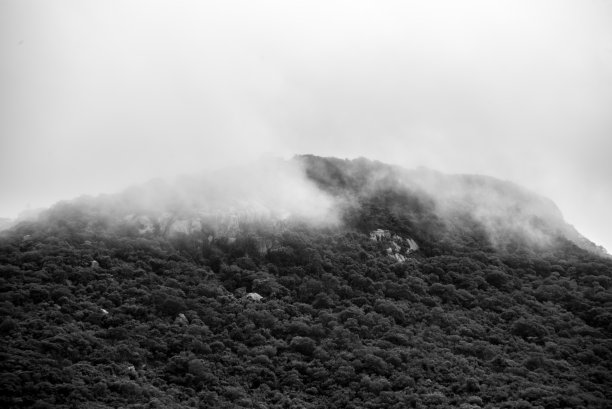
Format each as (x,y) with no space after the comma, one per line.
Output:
(267,189)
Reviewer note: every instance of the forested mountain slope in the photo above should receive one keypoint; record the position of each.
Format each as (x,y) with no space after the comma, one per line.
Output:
(404,289)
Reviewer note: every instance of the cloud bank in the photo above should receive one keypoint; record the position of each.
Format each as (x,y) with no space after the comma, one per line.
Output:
(97,95)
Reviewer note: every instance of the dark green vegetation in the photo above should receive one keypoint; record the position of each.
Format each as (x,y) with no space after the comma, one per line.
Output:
(162,320)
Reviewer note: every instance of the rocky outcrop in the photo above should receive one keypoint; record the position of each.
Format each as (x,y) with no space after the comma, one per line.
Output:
(397,247)
(380,235)
(181,319)
(254,297)
(412,245)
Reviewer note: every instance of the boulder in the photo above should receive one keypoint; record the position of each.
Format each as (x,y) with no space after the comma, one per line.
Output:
(181,320)
(254,297)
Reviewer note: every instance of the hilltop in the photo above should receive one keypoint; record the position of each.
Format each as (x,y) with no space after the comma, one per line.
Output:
(450,209)
(312,283)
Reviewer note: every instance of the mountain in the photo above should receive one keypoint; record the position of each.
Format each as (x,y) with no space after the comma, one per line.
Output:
(315,282)
(480,207)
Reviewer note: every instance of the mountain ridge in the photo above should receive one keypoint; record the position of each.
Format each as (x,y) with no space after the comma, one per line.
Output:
(454,195)
(474,204)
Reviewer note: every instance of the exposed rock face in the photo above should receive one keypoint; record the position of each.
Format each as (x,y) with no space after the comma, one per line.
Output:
(400,258)
(412,245)
(399,247)
(380,235)
(181,320)
(254,297)
(131,370)
(224,224)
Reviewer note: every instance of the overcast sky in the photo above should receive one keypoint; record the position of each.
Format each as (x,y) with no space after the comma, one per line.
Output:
(96,95)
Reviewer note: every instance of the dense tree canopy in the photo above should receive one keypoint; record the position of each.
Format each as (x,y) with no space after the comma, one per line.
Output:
(163,320)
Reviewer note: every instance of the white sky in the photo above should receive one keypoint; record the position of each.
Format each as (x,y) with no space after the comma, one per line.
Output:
(97,95)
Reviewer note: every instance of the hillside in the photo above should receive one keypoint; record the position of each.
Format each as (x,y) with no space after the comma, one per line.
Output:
(380,288)
(503,214)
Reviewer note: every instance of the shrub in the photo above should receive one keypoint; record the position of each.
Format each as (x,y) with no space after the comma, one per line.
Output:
(303,345)
(497,278)
(528,329)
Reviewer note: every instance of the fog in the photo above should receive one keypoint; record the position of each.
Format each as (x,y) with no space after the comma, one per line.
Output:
(501,208)
(97,96)
(266,189)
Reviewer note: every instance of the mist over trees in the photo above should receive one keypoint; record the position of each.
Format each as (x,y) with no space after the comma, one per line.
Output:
(142,299)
